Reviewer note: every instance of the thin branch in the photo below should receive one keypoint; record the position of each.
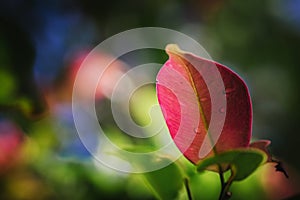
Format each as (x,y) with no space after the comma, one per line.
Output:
(221,175)
(224,195)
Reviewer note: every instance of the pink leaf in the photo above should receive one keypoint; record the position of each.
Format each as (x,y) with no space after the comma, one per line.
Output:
(197,95)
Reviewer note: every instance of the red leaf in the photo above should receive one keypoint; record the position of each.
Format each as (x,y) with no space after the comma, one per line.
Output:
(206,106)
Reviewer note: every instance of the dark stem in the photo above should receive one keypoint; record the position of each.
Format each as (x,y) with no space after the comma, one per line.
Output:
(224,195)
(221,175)
(187,187)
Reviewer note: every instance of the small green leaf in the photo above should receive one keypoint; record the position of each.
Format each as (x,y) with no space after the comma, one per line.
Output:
(242,162)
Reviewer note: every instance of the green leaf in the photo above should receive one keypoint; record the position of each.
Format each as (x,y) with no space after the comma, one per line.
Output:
(242,162)
(166,183)
(205,185)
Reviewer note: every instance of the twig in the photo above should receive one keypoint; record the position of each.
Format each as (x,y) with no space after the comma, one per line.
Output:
(221,175)
(224,195)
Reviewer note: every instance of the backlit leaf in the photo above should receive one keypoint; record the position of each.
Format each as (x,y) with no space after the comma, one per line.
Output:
(190,91)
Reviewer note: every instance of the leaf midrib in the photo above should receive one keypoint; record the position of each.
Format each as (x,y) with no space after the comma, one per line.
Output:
(198,101)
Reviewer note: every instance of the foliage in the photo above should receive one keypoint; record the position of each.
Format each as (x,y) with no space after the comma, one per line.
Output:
(186,99)
(41,156)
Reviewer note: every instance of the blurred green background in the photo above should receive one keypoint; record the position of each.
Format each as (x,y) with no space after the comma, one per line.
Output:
(43,42)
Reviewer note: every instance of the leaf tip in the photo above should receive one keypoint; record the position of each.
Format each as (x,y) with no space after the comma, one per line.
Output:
(173,49)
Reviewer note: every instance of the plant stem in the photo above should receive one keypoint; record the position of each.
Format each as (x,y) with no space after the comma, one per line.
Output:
(222,182)
(187,187)
(225,186)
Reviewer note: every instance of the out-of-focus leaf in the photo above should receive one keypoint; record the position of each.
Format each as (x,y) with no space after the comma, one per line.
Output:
(205,185)
(166,182)
(140,104)
(242,162)
(183,73)
(250,188)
